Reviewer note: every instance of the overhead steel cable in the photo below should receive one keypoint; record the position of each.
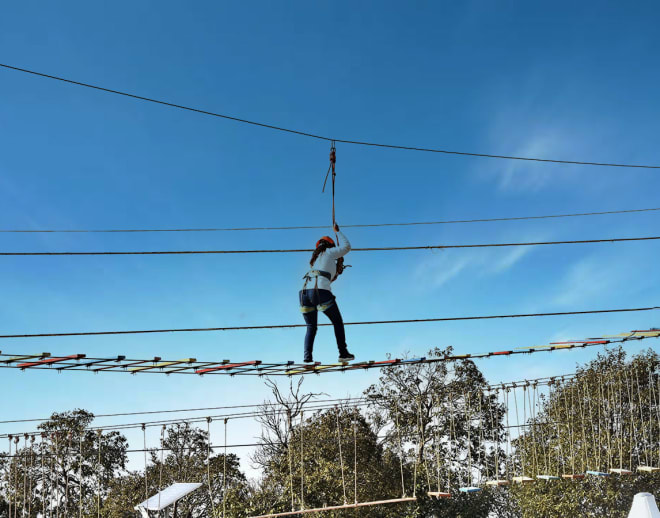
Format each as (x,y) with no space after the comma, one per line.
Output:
(334,401)
(310,227)
(354,402)
(368,249)
(290,326)
(320,137)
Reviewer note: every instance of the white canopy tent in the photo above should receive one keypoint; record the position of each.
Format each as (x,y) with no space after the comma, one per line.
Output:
(166,497)
(644,506)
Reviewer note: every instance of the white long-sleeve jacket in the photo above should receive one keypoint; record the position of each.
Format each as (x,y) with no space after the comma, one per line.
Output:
(327,262)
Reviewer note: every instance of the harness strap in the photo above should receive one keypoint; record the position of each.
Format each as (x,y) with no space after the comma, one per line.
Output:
(315,274)
(308,277)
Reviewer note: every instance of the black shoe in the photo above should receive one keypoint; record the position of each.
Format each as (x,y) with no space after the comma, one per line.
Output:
(346,357)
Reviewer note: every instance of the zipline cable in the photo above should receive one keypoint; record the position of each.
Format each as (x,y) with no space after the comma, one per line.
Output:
(314,227)
(290,326)
(321,137)
(369,249)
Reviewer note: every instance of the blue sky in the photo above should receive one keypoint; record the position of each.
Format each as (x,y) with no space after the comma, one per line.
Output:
(577,81)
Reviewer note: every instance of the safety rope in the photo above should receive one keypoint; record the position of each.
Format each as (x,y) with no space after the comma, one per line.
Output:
(331,168)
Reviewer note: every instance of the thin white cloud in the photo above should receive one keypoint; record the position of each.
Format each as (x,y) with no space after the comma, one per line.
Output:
(530,176)
(441,269)
(593,278)
(509,259)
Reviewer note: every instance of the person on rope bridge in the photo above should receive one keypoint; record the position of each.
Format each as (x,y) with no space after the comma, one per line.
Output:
(327,264)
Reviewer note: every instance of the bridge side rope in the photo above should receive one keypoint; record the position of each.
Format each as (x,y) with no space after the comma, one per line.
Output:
(292,326)
(191,366)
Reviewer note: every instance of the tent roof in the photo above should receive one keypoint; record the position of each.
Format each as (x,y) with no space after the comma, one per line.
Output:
(168,496)
(644,506)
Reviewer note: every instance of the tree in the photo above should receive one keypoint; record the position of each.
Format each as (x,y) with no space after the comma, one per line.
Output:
(70,466)
(447,426)
(608,416)
(184,456)
(315,471)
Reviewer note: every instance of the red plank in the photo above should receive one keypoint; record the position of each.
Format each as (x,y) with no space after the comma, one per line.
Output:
(498,353)
(227,366)
(48,361)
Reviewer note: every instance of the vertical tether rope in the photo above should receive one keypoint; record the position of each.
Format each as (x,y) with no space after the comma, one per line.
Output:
(80,480)
(302,462)
(25,470)
(31,478)
(98,478)
(341,457)
(355,473)
(146,480)
(468,416)
(224,471)
(15,459)
(160,471)
(208,463)
(289,447)
(66,486)
(522,449)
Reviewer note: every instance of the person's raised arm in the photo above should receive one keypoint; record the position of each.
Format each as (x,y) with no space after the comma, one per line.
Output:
(342,248)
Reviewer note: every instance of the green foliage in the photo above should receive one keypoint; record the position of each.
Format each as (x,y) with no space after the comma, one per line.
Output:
(606,417)
(185,458)
(69,467)
(309,470)
(439,421)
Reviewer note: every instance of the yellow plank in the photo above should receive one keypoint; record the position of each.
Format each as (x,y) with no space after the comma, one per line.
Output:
(160,365)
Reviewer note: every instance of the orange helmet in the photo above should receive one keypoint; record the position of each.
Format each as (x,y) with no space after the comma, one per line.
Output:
(327,239)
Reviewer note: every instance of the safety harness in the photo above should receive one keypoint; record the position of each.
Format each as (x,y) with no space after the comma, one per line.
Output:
(314,274)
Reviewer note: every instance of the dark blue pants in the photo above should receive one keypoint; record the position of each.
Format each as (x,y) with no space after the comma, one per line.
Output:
(309,301)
